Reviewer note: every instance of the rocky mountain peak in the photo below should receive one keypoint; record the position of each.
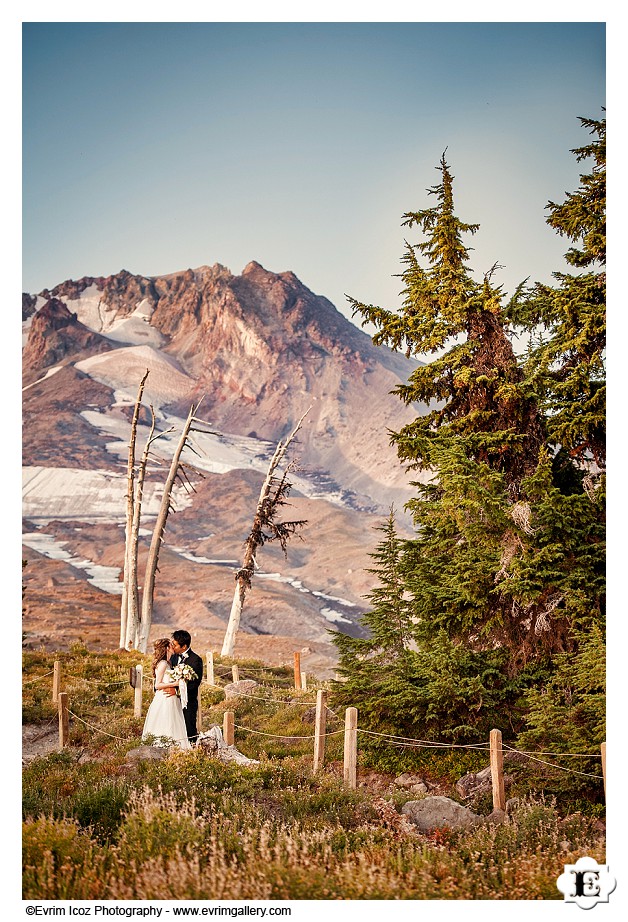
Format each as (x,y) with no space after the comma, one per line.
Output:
(260,348)
(56,333)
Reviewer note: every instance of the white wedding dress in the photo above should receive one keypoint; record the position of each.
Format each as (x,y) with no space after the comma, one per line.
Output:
(164,719)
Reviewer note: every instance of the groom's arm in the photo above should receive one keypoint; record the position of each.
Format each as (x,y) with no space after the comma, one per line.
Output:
(197,666)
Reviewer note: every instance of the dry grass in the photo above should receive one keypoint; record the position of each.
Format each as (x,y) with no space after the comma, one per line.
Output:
(96,827)
(165,848)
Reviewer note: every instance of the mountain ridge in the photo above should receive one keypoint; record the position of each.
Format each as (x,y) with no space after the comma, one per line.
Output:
(257,351)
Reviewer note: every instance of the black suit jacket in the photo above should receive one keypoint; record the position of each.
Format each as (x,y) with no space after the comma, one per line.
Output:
(195,662)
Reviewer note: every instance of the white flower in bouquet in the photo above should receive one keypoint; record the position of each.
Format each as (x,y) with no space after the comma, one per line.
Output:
(183,671)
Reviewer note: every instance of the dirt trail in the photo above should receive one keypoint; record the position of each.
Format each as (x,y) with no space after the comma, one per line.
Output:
(39,740)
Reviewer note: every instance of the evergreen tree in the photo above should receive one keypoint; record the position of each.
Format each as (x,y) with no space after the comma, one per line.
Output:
(480,393)
(389,620)
(479,443)
(507,567)
(567,714)
(446,689)
(567,362)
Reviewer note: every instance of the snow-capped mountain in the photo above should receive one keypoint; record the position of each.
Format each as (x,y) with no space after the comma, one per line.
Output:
(257,350)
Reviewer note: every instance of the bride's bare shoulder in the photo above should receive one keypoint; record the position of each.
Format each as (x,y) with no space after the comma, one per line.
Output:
(160,668)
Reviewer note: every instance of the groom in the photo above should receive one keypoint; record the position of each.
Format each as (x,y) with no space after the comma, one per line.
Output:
(182,653)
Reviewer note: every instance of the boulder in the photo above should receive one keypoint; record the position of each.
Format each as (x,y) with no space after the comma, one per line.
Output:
(144,753)
(436,812)
(243,687)
(419,788)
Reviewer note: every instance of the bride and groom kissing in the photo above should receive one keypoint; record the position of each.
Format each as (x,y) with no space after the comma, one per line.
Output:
(173,713)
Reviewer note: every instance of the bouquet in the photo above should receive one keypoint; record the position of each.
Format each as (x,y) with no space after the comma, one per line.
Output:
(182,673)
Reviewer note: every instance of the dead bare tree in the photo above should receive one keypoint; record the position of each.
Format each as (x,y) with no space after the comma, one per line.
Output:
(134,622)
(130,600)
(135,626)
(265,528)
(176,472)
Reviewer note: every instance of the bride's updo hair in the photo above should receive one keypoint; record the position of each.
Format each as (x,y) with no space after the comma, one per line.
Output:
(160,648)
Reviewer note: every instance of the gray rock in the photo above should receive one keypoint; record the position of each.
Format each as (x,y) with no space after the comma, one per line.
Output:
(471,784)
(243,687)
(497,817)
(413,783)
(435,812)
(420,788)
(147,753)
(407,780)
(480,783)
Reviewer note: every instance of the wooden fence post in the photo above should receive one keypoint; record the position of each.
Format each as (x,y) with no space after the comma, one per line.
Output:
(64,720)
(227,728)
(56,681)
(137,702)
(235,672)
(297,671)
(319,729)
(210,667)
(303,681)
(603,749)
(351,747)
(497,770)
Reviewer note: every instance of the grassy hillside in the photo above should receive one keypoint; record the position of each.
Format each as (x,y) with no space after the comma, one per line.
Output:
(98,825)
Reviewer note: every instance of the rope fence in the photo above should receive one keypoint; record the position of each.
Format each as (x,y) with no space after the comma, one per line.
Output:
(494,747)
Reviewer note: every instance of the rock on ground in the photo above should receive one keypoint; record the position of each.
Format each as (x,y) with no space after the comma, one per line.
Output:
(435,812)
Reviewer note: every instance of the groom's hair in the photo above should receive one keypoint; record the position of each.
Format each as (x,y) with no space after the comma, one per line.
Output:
(182,637)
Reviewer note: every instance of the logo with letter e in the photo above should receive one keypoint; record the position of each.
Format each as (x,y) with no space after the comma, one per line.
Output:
(586,883)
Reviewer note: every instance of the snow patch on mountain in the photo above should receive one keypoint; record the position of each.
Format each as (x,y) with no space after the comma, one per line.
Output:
(56,493)
(91,311)
(51,371)
(136,328)
(105,578)
(212,452)
(165,384)
(329,614)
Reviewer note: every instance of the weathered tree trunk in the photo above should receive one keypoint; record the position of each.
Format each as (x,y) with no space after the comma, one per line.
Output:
(158,531)
(130,600)
(133,617)
(263,514)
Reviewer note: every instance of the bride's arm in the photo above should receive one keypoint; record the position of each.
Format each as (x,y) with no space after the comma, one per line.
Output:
(159,677)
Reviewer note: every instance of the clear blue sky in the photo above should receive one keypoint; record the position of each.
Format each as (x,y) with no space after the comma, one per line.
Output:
(155,147)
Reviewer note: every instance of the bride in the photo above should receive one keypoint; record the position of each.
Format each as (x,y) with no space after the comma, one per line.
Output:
(164,719)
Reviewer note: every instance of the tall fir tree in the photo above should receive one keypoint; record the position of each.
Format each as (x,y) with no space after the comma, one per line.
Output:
(480,393)
(566,365)
(506,569)
(480,442)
